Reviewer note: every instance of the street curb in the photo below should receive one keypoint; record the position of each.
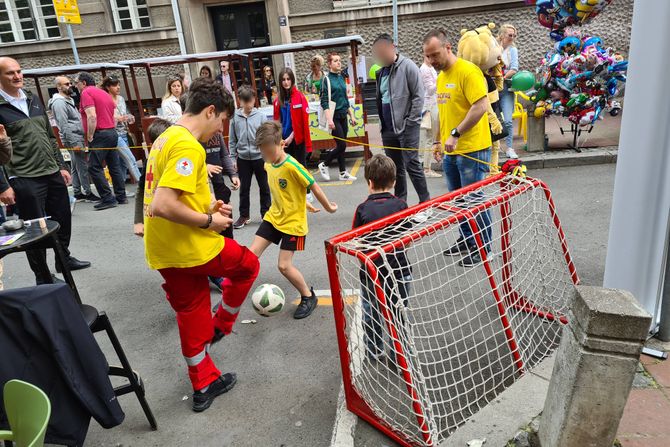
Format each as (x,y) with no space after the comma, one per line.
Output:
(509,412)
(571,158)
(544,160)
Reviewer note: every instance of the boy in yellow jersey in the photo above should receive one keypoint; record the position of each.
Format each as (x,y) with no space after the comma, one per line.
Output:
(462,101)
(182,240)
(285,223)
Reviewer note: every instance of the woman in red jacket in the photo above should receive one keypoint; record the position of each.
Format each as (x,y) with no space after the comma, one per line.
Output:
(291,110)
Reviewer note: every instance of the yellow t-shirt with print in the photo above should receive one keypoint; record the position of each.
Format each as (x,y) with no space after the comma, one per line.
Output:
(289,182)
(458,88)
(177,160)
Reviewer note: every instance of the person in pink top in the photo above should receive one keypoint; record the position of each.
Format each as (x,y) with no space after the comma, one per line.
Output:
(97,115)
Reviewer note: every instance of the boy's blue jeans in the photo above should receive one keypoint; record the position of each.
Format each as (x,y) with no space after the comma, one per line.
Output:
(460,172)
(372,317)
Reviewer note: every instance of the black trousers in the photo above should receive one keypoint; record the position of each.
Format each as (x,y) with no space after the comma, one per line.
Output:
(222,192)
(341,130)
(297,151)
(106,138)
(247,169)
(406,162)
(40,197)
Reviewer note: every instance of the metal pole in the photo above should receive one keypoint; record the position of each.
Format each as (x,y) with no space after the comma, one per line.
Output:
(395,22)
(73,44)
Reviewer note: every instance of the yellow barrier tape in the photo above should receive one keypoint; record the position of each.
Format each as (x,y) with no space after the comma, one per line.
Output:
(379,146)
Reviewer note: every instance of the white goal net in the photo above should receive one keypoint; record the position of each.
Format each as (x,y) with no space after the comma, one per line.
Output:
(440,309)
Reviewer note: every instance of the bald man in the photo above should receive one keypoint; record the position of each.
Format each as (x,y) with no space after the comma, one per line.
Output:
(68,119)
(36,176)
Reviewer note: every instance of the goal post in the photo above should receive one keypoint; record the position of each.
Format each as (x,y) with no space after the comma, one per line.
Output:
(425,342)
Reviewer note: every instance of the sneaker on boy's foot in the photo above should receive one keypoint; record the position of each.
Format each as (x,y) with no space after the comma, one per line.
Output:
(374,354)
(472,259)
(345,176)
(511,153)
(324,171)
(241,222)
(459,248)
(306,306)
(80,197)
(203,399)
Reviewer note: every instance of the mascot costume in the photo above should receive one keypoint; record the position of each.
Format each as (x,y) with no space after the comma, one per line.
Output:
(480,47)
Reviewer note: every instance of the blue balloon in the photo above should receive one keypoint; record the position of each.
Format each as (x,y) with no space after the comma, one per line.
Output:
(597,41)
(611,86)
(570,45)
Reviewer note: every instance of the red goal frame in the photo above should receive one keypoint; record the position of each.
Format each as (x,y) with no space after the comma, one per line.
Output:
(512,298)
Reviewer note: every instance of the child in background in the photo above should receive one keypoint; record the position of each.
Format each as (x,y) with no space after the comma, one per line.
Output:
(243,149)
(380,174)
(292,111)
(219,163)
(156,128)
(285,223)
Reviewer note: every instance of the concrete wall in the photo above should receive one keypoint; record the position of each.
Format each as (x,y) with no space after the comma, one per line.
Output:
(309,6)
(415,19)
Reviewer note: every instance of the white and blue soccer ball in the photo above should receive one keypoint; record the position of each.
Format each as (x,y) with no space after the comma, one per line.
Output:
(268,300)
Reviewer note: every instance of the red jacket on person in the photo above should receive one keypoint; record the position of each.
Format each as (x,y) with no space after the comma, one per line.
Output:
(299,118)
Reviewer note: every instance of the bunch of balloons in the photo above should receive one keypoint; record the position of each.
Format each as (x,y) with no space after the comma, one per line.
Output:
(559,14)
(577,79)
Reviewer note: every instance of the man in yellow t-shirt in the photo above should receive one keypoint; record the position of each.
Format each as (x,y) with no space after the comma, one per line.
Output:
(285,223)
(182,241)
(463,130)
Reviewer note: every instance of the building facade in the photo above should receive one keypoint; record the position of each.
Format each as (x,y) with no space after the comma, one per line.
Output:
(114,30)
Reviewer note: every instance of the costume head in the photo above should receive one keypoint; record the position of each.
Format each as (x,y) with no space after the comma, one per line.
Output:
(480,47)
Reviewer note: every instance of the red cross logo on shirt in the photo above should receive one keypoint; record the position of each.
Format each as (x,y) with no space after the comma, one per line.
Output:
(184,164)
(150,176)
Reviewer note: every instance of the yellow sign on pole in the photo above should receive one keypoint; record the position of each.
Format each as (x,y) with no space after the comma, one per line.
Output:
(67,11)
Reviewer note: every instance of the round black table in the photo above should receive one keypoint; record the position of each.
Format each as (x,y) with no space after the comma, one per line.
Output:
(36,237)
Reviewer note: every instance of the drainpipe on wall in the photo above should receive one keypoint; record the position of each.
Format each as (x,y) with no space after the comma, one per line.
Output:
(180,33)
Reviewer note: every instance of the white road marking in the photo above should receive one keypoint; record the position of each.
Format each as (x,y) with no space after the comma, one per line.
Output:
(326,293)
(345,421)
(345,424)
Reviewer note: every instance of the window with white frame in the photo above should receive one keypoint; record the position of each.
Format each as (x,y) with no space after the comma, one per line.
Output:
(130,14)
(22,20)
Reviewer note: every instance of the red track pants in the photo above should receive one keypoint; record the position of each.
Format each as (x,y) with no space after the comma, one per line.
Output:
(187,290)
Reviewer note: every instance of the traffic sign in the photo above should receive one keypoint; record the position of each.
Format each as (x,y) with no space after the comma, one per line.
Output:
(67,11)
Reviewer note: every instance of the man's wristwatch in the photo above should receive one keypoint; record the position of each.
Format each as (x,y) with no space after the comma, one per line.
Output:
(455,133)
(209,222)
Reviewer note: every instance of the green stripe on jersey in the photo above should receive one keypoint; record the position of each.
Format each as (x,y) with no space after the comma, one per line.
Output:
(301,170)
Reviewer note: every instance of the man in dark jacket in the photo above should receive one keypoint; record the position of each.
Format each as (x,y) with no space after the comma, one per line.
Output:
(400,103)
(36,174)
(45,341)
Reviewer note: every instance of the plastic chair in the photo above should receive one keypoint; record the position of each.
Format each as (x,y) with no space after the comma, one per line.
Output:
(521,114)
(28,410)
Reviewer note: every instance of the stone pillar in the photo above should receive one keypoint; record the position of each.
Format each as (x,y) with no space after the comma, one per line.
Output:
(535,141)
(594,369)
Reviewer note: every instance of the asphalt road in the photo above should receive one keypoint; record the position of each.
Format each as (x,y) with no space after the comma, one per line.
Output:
(288,370)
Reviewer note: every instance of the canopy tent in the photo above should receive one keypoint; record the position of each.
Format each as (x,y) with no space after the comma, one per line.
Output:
(36,73)
(147,64)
